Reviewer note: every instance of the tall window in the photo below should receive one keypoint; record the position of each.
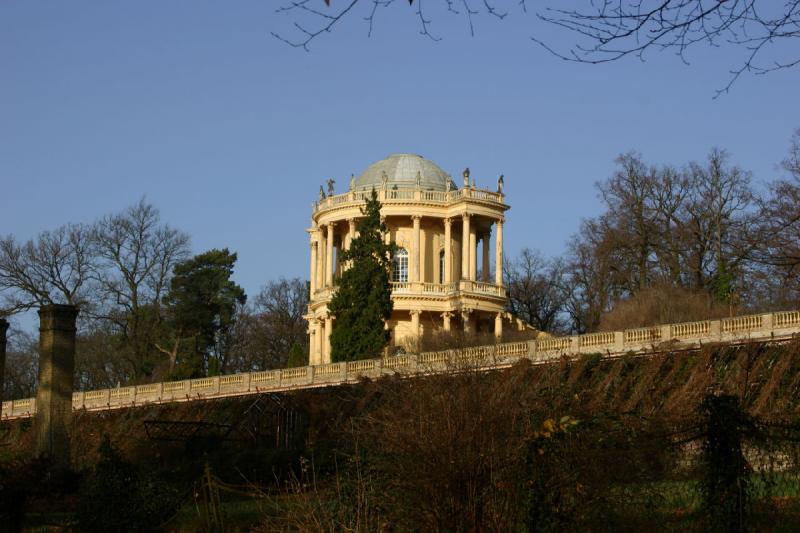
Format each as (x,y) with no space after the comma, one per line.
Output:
(400,270)
(441,266)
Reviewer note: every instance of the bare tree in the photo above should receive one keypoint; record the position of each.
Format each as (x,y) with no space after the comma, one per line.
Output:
(51,269)
(136,253)
(777,239)
(22,365)
(535,289)
(264,334)
(718,215)
(605,30)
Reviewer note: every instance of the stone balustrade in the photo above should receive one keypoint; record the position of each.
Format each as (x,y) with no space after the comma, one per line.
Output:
(772,327)
(390,195)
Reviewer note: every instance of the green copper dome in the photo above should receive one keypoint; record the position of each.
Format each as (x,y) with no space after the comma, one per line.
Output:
(404,171)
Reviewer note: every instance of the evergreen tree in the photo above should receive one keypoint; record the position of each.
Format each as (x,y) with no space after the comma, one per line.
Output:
(202,305)
(297,357)
(362,302)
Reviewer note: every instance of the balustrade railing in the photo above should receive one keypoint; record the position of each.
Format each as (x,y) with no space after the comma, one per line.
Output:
(769,327)
(414,287)
(596,339)
(640,335)
(439,197)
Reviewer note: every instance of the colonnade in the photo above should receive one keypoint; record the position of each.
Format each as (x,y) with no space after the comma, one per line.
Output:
(323,267)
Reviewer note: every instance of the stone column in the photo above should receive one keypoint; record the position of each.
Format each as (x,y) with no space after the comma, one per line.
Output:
(351,231)
(3,340)
(312,342)
(465,247)
(498,325)
(485,251)
(329,255)
(473,255)
(328,330)
(54,393)
(313,278)
(415,253)
(319,340)
(321,262)
(498,253)
(448,245)
(415,324)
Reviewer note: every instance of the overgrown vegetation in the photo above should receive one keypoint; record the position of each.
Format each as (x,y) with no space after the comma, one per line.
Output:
(631,444)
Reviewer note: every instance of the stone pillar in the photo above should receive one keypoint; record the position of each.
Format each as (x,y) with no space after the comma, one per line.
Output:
(312,342)
(498,254)
(415,324)
(319,340)
(328,330)
(473,255)
(313,277)
(448,246)
(465,247)
(485,251)
(329,255)
(54,393)
(321,247)
(498,325)
(416,253)
(351,231)
(446,321)
(3,340)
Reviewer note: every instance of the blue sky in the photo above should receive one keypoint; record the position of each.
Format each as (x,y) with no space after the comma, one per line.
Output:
(230,132)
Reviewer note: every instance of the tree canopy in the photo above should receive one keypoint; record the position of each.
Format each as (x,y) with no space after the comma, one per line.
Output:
(202,304)
(362,302)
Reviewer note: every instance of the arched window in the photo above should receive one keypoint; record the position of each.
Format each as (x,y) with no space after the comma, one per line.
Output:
(400,270)
(441,266)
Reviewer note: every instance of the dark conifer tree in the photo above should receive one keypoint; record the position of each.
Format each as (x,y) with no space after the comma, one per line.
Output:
(362,302)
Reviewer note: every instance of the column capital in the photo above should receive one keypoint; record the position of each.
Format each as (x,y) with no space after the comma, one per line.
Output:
(331,224)
(447,221)
(447,314)
(500,221)
(416,217)
(415,312)
(465,215)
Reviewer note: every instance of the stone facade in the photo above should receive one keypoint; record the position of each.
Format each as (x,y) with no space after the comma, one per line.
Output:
(449,240)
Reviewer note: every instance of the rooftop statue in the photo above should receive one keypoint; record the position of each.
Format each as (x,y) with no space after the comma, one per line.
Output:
(466,177)
(500,184)
(352,182)
(321,193)
(331,182)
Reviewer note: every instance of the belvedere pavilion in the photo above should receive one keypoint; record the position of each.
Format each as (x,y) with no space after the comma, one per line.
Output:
(442,275)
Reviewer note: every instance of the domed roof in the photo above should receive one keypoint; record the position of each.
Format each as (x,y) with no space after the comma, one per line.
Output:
(402,171)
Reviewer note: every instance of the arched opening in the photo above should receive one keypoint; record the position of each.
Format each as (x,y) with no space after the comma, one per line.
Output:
(441,266)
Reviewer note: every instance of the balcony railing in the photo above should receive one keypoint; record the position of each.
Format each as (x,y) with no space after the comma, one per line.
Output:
(392,195)
(428,289)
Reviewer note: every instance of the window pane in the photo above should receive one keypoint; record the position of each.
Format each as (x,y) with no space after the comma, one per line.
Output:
(400,270)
